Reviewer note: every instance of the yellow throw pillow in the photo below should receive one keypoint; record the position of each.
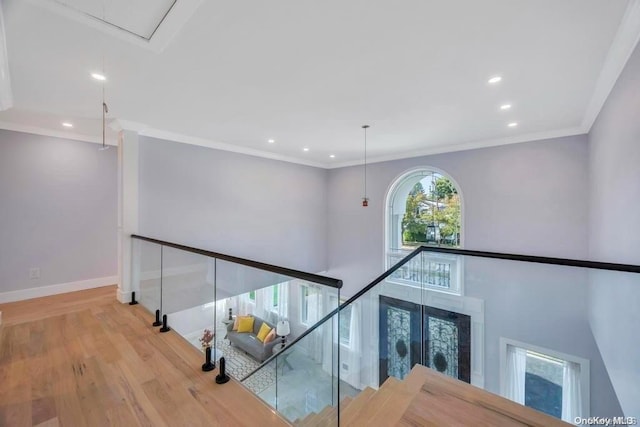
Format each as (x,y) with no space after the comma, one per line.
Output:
(245,324)
(270,336)
(264,331)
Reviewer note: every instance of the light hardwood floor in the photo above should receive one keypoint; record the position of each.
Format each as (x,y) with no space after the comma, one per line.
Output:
(84,359)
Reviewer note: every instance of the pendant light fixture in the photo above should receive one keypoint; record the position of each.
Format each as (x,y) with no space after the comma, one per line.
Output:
(105,110)
(365,199)
(102,79)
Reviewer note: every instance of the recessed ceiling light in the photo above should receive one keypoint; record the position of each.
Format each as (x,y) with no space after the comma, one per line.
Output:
(513,124)
(98,76)
(333,156)
(505,107)
(271,141)
(67,124)
(494,80)
(305,149)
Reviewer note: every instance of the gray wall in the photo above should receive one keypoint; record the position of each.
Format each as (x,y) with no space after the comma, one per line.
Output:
(58,202)
(614,231)
(542,305)
(246,206)
(527,198)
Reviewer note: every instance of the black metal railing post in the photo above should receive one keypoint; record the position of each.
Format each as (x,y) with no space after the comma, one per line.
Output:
(157,322)
(165,326)
(133,298)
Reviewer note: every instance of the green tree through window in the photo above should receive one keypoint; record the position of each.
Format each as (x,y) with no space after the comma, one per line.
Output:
(432,216)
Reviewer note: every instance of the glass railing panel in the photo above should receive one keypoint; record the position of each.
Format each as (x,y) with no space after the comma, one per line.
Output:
(236,279)
(263,382)
(147,274)
(534,322)
(306,377)
(252,313)
(462,316)
(188,295)
(274,300)
(410,271)
(188,280)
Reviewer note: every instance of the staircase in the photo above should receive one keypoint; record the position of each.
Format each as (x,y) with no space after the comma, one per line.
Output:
(428,398)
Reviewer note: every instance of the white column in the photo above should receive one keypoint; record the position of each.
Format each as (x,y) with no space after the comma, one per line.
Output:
(127,208)
(6,96)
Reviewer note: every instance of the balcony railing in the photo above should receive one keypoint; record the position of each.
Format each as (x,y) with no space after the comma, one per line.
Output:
(197,289)
(529,328)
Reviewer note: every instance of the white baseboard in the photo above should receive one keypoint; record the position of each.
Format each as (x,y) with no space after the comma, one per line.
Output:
(62,288)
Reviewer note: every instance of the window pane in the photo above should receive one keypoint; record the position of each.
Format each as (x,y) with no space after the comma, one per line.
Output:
(252,295)
(345,325)
(432,213)
(304,305)
(543,384)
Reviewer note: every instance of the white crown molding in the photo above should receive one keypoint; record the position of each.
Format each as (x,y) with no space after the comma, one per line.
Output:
(144,130)
(169,27)
(16,127)
(186,139)
(620,50)
(537,136)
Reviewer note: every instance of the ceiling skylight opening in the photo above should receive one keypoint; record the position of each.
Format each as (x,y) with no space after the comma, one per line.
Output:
(513,124)
(494,80)
(98,76)
(67,124)
(505,107)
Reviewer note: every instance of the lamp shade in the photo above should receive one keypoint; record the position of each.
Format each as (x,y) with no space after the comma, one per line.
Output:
(282,328)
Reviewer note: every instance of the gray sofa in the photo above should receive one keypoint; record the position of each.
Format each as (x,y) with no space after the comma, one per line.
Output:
(249,343)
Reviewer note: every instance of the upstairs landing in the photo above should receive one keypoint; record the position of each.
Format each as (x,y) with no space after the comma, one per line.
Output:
(84,359)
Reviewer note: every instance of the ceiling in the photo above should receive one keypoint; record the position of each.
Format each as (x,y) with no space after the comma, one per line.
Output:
(309,74)
(139,17)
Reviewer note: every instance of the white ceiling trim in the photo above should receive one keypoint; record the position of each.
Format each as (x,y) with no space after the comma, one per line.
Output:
(177,137)
(119,125)
(54,133)
(170,26)
(538,136)
(621,49)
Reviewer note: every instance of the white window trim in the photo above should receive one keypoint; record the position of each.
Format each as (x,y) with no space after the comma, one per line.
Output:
(336,338)
(303,298)
(248,300)
(350,343)
(391,192)
(585,369)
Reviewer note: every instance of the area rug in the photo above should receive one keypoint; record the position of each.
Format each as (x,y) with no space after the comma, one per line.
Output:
(239,365)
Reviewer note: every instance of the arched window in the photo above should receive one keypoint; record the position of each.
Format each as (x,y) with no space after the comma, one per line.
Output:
(424,207)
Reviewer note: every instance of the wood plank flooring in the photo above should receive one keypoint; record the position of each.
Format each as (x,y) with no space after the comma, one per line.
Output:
(84,359)
(428,398)
(444,401)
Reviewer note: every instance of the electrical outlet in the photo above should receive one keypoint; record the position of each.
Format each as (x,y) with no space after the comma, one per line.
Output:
(34,273)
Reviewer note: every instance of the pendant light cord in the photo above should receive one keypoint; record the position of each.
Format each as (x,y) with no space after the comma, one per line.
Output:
(105,109)
(365,127)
